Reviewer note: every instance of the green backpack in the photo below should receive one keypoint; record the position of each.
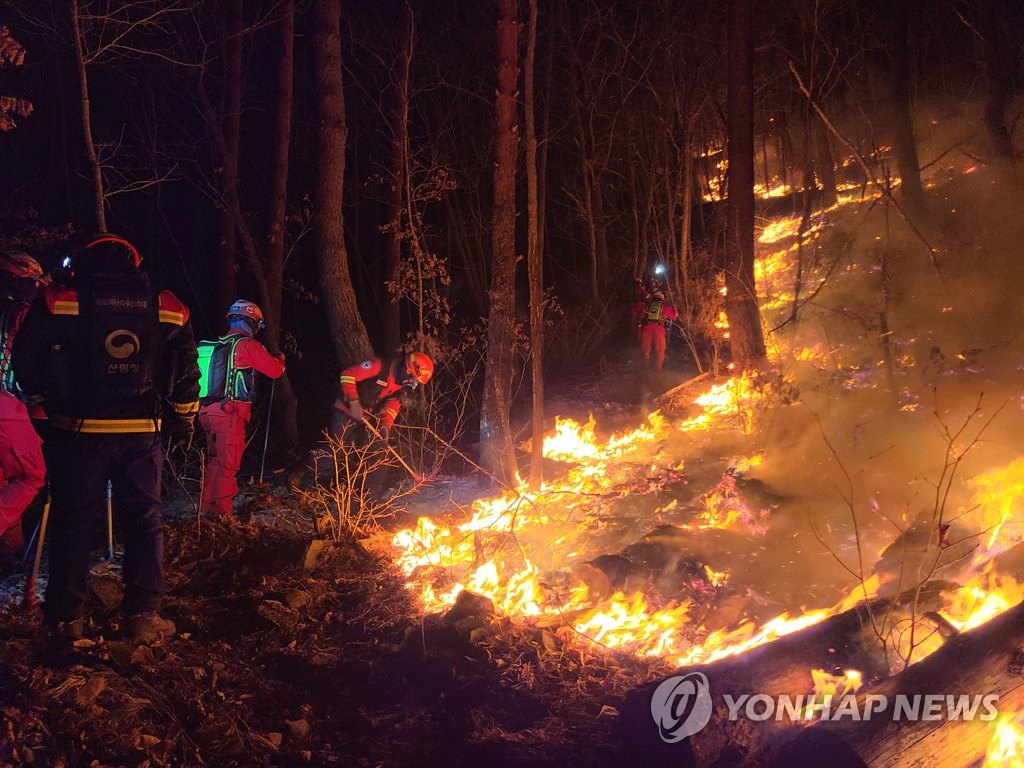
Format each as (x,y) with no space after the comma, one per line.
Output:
(216,369)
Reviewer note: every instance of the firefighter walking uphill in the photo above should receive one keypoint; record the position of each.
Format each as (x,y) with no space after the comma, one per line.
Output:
(22,471)
(107,366)
(227,392)
(652,315)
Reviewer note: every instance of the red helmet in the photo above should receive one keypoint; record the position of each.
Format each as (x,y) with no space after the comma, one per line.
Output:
(20,264)
(420,366)
(115,243)
(247,310)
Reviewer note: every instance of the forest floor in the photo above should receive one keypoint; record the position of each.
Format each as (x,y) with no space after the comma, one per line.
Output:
(293,649)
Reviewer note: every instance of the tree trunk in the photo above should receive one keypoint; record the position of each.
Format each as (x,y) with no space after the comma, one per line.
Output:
(348,334)
(976,663)
(535,262)
(903,128)
(826,166)
(399,171)
(227,270)
(998,74)
(497,451)
(274,255)
(847,640)
(746,339)
(95,172)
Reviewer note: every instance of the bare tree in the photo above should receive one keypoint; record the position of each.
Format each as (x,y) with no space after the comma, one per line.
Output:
(496,448)
(348,333)
(108,32)
(745,335)
(12,53)
(903,128)
(230,119)
(998,55)
(399,173)
(534,259)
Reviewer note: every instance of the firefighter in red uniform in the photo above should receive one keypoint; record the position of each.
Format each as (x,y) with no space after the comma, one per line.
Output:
(655,317)
(22,472)
(375,386)
(108,367)
(228,406)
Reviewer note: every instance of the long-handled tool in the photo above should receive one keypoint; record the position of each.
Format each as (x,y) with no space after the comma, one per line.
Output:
(266,435)
(31,600)
(416,476)
(110,521)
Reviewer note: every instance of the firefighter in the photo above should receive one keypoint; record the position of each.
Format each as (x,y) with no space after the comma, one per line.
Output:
(107,366)
(376,386)
(653,322)
(373,387)
(22,472)
(638,306)
(227,405)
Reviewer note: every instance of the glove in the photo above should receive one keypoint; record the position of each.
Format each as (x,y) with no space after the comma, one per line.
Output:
(355,410)
(177,431)
(383,432)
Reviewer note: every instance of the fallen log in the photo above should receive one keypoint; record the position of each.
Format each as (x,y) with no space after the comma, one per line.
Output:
(667,396)
(782,667)
(986,661)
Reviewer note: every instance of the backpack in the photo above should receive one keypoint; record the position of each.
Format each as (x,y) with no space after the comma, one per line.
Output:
(6,319)
(119,336)
(217,373)
(654,312)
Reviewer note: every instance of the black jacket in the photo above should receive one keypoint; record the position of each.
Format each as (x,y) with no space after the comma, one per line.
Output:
(105,355)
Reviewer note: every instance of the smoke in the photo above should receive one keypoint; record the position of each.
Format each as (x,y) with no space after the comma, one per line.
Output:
(891,428)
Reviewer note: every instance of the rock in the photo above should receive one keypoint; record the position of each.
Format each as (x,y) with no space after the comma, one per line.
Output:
(313,552)
(278,614)
(275,738)
(299,728)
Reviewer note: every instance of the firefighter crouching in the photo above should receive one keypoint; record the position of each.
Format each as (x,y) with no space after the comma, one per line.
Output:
(108,366)
(234,359)
(370,394)
(656,316)
(375,386)
(22,471)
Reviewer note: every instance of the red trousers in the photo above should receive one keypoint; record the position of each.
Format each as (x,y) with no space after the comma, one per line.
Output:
(22,471)
(224,424)
(652,338)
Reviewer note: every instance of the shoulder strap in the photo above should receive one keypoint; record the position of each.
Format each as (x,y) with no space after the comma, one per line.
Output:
(230,383)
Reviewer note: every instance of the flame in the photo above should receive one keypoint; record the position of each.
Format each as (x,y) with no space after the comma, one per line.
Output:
(999,494)
(628,622)
(983,597)
(1006,747)
(836,686)
(731,398)
(520,548)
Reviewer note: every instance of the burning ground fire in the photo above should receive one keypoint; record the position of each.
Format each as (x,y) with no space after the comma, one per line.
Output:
(529,552)
(522,549)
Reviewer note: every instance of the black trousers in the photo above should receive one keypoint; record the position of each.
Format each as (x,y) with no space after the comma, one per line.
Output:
(79,467)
